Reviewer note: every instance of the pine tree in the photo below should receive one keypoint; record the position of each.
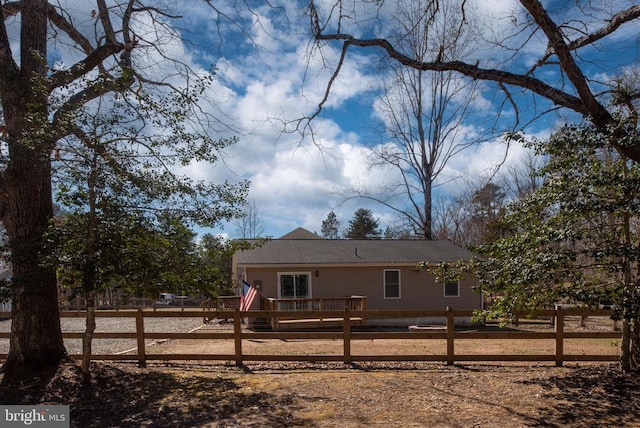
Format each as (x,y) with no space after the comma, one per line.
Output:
(364,226)
(331,226)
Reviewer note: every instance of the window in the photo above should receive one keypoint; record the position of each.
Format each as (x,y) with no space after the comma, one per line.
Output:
(452,289)
(391,284)
(294,285)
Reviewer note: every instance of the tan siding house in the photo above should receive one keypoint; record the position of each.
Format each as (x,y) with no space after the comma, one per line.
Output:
(304,265)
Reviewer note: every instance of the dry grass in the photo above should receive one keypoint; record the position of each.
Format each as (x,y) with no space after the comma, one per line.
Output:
(337,395)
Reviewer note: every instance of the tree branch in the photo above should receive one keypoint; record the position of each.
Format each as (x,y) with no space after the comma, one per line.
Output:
(64,25)
(473,71)
(99,88)
(103,12)
(8,67)
(594,109)
(613,24)
(81,68)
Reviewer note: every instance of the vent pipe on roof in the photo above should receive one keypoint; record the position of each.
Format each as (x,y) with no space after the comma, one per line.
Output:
(356,251)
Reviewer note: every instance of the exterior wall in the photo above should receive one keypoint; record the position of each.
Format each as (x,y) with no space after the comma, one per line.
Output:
(418,290)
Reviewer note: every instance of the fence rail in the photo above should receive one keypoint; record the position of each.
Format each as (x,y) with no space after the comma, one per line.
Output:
(347,334)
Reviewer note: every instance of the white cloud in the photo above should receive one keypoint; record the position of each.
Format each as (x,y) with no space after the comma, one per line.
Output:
(296,181)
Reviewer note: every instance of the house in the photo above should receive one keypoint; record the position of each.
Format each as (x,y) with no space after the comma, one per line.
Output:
(302,265)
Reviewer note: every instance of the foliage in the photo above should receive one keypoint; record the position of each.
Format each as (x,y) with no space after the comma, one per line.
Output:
(331,226)
(473,216)
(134,255)
(118,96)
(215,256)
(445,272)
(135,164)
(363,226)
(575,237)
(129,209)
(143,257)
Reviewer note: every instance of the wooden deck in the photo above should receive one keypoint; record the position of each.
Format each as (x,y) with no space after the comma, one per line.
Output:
(292,306)
(313,323)
(353,303)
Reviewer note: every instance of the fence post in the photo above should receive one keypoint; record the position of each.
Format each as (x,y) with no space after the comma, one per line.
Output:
(346,328)
(142,359)
(451,329)
(237,335)
(559,336)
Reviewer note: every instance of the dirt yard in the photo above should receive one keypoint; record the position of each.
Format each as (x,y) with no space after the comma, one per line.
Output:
(219,394)
(335,395)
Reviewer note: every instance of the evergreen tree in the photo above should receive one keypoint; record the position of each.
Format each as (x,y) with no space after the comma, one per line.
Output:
(331,226)
(363,226)
(487,205)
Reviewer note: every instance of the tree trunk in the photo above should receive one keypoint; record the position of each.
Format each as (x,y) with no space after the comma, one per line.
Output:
(36,339)
(89,274)
(634,346)
(625,346)
(87,337)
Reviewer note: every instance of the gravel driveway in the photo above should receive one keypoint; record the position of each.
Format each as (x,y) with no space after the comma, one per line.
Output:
(103,325)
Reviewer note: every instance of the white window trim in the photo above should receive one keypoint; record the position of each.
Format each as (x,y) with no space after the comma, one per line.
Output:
(296,273)
(444,290)
(384,284)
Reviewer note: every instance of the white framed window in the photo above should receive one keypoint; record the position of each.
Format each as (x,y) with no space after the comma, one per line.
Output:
(294,285)
(452,289)
(391,284)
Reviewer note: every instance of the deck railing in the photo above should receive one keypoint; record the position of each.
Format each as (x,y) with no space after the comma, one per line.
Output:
(319,304)
(354,303)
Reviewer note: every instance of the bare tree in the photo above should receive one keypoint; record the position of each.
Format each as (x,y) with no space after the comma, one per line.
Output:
(472,217)
(422,113)
(469,217)
(557,79)
(451,220)
(522,178)
(249,225)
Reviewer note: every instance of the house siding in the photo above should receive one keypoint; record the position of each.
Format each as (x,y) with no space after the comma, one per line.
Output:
(418,289)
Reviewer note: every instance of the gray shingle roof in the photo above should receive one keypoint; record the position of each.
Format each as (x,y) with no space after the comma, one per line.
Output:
(300,233)
(351,251)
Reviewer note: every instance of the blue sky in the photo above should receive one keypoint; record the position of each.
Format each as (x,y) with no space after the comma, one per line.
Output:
(265,75)
(295,181)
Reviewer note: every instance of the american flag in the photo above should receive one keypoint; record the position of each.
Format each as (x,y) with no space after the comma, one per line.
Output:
(249,293)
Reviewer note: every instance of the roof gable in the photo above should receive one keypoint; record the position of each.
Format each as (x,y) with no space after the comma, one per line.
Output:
(300,233)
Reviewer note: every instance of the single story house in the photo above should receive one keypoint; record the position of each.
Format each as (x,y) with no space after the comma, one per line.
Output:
(303,265)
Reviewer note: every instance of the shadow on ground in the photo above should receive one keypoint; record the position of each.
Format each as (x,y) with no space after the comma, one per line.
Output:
(591,396)
(127,397)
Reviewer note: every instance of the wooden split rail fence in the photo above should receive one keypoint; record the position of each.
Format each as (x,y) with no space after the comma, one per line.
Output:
(347,333)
